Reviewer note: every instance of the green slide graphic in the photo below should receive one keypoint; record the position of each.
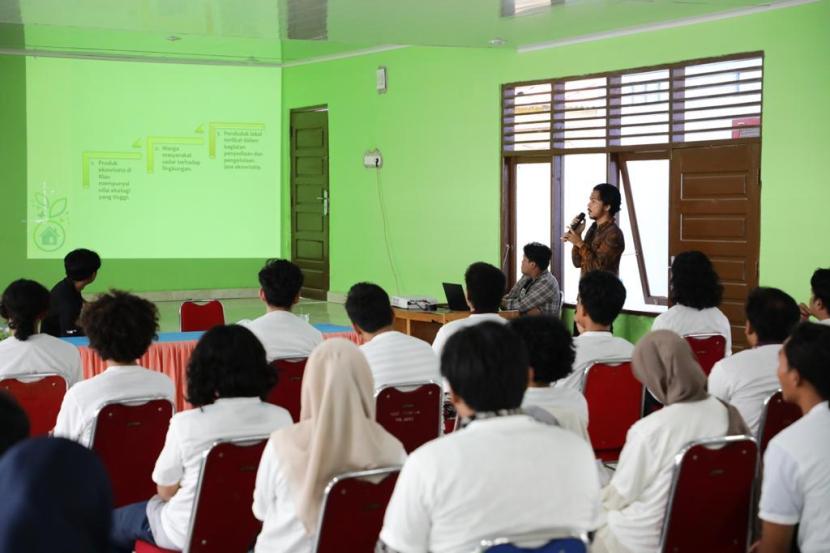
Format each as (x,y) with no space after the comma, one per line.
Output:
(88,157)
(153,141)
(214,127)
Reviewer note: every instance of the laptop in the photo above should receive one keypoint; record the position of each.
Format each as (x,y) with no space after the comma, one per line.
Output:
(456,300)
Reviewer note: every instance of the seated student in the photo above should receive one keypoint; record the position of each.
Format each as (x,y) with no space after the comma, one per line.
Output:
(227,378)
(394,357)
(65,306)
(601,298)
(121,328)
(551,352)
(24,304)
(747,378)
(15,423)
(695,292)
(485,286)
(503,473)
(635,499)
(819,306)
(537,292)
(283,334)
(795,495)
(337,433)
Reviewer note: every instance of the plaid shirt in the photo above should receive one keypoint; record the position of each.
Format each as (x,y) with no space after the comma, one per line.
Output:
(540,293)
(602,249)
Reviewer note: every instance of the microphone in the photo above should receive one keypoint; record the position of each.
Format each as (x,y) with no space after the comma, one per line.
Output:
(577,221)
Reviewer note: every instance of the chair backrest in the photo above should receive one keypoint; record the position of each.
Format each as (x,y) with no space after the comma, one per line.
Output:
(128,438)
(352,513)
(711,497)
(708,348)
(615,402)
(41,399)
(199,316)
(410,412)
(288,390)
(776,416)
(222,520)
(553,541)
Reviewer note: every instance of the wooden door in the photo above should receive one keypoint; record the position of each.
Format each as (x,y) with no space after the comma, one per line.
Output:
(715,208)
(310,199)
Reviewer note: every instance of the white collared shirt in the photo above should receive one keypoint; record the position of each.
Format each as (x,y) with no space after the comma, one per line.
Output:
(396,358)
(688,320)
(40,353)
(824,321)
(117,383)
(567,405)
(746,380)
(452,327)
(284,335)
(796,485)
(484,481)
(590,347)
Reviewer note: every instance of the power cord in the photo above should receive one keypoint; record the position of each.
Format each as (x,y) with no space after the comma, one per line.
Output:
(386,231)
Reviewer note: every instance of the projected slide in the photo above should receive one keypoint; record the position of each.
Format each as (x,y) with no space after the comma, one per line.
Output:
(145,161)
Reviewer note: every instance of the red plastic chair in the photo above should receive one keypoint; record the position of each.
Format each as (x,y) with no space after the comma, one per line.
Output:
(410,412)
(776,416)
(41,399)
(128,438)
(194,317)
(708,348)
(288,389)
(615,402)
(222,520)
(353,509)
(711,497)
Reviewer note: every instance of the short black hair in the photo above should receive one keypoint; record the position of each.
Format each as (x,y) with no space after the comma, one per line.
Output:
(23,303)
(808,351)
(610,196)
(485,286)
(228,361)
(602,295)
(281,281)
(772,313)
(368,306)
(15,425)
(81,264)
(539,254)
(120,326)
(694,282)
(486,365)
(549,346)
(820,285)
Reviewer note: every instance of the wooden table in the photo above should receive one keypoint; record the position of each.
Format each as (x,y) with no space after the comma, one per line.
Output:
(425,324)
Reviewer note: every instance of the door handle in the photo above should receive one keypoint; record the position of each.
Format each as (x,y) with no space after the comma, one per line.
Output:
(325,198)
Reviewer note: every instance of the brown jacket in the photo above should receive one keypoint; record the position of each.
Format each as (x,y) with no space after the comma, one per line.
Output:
(603,246)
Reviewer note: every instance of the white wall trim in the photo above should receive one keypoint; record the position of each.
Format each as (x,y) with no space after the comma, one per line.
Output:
(346,55)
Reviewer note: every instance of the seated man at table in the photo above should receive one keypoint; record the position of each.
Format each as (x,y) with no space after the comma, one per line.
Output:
(485,286)
(66,301)
(537,292)
(120,327)
(394,357)
(283,334)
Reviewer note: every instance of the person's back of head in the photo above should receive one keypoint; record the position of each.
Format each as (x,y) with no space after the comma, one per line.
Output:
(281,282)
(486,366)
(549,347)
(807,356)
(601,296)
(772,315)
(81,264)
(609,195)
(228,361)
(694,282)
(485,287)
(368,307)
(820,286)
(120,326)
(24,304)
(538,254)
(15,423)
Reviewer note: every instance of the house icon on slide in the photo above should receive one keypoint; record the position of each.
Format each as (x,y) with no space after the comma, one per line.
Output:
(49,237)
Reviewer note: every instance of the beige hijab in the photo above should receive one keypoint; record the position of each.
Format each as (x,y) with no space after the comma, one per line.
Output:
(337,431)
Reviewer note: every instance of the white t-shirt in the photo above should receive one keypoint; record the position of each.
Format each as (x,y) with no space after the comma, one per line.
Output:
(192,433)
(117,383)
(644,472)
(688,320)
(396,358)
(796,486)
(567,405)
(40,353)
(452,327)
(746,380)
(590,347)
(824,321)
(501,476)
(284,335)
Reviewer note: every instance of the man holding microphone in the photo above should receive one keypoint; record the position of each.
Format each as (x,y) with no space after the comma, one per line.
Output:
(604,243)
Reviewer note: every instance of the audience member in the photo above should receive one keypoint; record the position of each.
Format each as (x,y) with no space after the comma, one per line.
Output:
(227,378)
(504,473)
(747,378)
(635,499)
(485,286)
(537,292)
(66,302)
(819,306)
(337,433)
(282,333)
(695,293)
(14,424)
(121,328)
(394,357)
(24,304)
